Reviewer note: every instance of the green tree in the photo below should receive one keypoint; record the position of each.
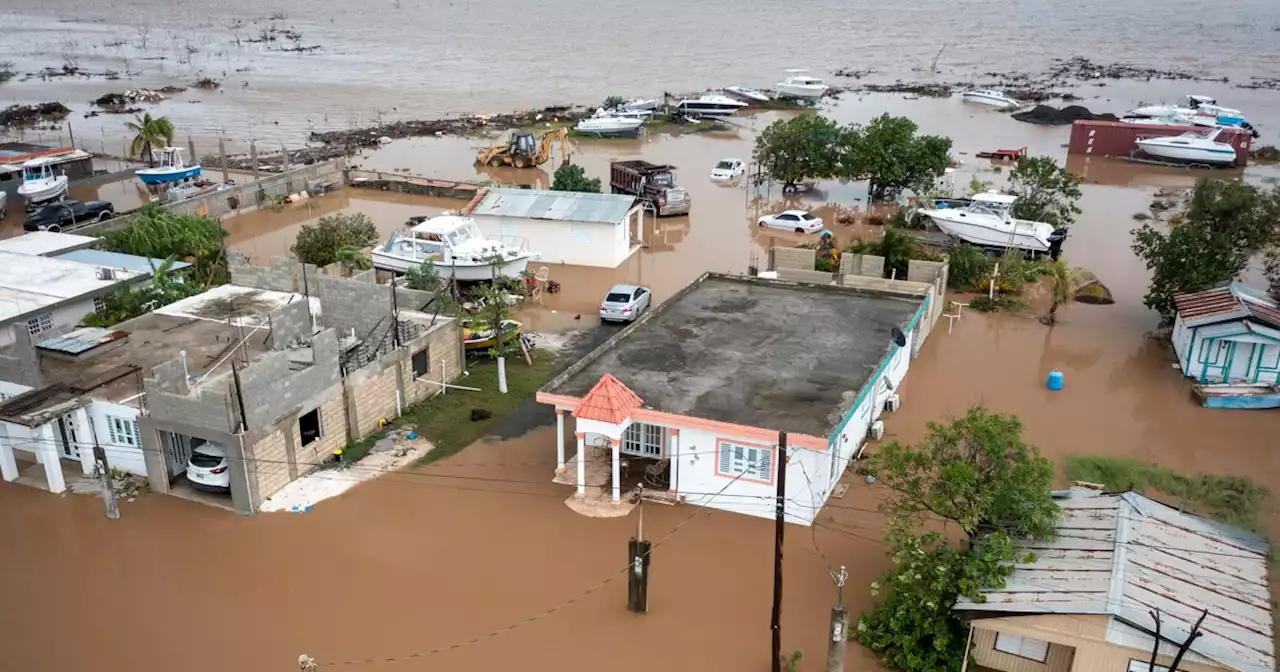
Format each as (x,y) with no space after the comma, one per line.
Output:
(890,155)
(571,177)
(149,133)
(333,238)
(799,148)
(1209,241)
(157,233)
(1046,192)
(970,266)
(426,277)
(977,472)
(133,300)
(1271,269)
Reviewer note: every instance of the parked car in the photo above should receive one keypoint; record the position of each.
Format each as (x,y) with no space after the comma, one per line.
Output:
(728,169)
(792,220)
(60,215)
(624,303)
(207,469)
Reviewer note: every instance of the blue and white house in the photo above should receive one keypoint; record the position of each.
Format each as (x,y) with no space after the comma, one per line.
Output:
(1229,334)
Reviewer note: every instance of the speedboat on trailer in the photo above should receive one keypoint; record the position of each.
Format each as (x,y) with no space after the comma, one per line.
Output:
(987,221)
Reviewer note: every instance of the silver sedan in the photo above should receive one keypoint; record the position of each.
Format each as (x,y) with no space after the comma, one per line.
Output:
(624,303)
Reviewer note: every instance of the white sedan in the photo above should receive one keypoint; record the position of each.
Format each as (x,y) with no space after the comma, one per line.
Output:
(728,169)
(792,220)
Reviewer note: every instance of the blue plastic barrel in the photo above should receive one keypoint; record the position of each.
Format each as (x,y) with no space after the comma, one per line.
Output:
(1055,380)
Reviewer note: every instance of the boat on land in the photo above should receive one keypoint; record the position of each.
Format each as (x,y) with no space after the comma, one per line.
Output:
(799,86)
(990,97)
(608,123)
(480,336)
(1238,395)
(987,220)
(1195,111)
(710,105)
(170,167)
(639,104)
(456,247)
(40,183)
(1193,147)
(749,95)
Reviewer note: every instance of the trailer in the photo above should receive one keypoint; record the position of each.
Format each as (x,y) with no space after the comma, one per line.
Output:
(652,183)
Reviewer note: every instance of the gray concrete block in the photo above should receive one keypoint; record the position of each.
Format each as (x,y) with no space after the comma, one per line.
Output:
(872,266)
(923,271)
(813,277)
(794,258)
(290,324)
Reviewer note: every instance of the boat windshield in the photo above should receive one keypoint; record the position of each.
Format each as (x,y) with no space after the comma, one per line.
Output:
(462,234)
(34,172)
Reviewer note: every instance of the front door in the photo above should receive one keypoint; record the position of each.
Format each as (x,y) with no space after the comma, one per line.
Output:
(642,440)
(68,444)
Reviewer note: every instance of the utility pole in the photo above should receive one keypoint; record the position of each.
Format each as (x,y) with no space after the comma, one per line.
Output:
(839,625)
(1182,650)
(780,510)
(638,577)
(104,476)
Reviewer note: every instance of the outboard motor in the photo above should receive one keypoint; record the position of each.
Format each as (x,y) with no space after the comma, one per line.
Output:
(1055,243)
(1249,127)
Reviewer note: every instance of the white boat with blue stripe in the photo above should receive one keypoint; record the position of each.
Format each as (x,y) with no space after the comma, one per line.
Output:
(1194,147)
(170,167)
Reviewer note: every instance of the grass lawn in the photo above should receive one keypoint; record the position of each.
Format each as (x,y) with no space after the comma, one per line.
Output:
(1232,499)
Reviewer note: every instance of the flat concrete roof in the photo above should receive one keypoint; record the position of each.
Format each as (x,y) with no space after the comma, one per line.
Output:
(762,353)
(46,243)
(31,284)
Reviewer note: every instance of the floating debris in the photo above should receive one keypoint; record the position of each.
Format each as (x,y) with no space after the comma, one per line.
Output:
(25,116)
(1052,116)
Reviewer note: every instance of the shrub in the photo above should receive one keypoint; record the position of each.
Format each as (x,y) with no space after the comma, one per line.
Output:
(333,237)
(970,266)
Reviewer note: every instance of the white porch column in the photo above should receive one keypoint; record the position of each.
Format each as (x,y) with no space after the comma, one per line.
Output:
(84,442)
(48,449)
(559,440)
(617,487)
(582,466)
(8,465)
(673,459)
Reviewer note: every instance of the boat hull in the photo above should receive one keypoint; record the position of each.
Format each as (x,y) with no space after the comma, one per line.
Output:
(993,101)
(513,268)
(614,130)
(1221,157)
(1238,396)
(162,175)
(750,95)
(800,92)
(986,236)
(695,111)
(37,191)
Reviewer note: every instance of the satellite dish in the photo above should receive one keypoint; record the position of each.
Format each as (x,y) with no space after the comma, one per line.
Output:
(899,339)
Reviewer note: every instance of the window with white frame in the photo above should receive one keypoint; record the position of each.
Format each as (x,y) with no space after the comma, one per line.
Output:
(123,432)
(1023,647)
(40,324)
(745,460)
(642,439)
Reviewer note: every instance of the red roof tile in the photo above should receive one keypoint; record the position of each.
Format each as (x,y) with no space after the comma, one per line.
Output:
(608,401)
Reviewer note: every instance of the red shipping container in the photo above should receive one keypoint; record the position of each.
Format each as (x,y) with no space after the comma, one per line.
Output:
(1116,138)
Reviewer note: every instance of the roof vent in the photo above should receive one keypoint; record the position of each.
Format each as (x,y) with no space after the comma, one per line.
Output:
(106,274)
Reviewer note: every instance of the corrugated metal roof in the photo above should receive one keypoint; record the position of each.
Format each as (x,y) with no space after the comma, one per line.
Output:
(1230,302)
(568,206)
(1126,555)
(128,262)
(82,340)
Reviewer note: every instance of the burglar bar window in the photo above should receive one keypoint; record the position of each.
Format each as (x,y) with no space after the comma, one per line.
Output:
(421,362)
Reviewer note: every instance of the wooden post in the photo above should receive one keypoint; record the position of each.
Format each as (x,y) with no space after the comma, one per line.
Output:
(222,156)
(253,158)
(191,151)
(780,509)
(638,577)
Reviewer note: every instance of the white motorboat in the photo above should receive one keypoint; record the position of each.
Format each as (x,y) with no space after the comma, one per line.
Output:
(457,248)
(987,220)
(1198,147)
(624,113)
(1197,111)
(990,97)
(749,95)
(710,105)
(605,123)
(1191,103)
(40,183)
(639,104)
(169,167)
(800,86)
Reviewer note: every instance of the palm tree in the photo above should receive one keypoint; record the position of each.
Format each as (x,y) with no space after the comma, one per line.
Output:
(150,133)
(1074,283)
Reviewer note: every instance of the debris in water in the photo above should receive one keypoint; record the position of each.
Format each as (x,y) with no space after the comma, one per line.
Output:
(24,116)
(1052,116)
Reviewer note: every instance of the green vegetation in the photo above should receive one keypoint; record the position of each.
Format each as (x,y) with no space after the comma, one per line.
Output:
(571,177)
(1046,192)
(613,101)
(133,300)
(978,473)
(157,233)
(887,153)
(970,268)
(1209,240)
(897,248)
(6,71)
(1001,303)
(337,238)
(1236,500)
(149,133)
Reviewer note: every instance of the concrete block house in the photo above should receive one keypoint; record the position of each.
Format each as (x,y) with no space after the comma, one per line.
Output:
(691,398)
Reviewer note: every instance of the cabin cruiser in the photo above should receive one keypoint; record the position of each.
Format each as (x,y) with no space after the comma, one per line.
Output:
(1200,147)
(639,104)
(800,86)
(170,167)
(987,220)
(1197,111)
(456,247)
(610,123)
(710,105)
(40,183)
(990,97)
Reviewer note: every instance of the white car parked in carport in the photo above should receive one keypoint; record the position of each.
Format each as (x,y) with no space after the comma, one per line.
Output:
(728,170)
(208,468)
(792,220)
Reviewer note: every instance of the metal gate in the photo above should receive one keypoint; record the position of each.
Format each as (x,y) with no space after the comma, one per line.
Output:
(179,447)
(68,443)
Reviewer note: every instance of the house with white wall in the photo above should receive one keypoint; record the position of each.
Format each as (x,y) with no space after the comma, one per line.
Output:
(48,296)
(694,395)
(1228,334)
(565,227)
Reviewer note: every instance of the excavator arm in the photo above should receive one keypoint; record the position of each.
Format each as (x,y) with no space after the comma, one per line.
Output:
(544,147)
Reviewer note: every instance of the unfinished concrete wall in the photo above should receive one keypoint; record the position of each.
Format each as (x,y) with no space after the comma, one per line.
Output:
(924,271)
(814,277)
(348,304)
(374,389)
(278,382)
(278,276)
(290,325)
(275,455)
(797,258)
(170,399)
(19,362)
(442,344)
(903,287)
(869,265)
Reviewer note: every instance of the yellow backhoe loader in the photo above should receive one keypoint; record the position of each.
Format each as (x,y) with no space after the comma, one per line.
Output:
(522,151)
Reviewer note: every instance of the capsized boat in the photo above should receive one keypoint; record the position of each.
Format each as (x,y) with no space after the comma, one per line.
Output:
(170,167)
(800,86)
(40,183)
(990,97)
(987,220)
(1238,395)
(479,336)
(1195,147)
(749,95)
(456,247)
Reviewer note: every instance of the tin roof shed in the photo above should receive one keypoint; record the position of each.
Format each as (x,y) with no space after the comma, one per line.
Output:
(565,206)
(1229,302)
